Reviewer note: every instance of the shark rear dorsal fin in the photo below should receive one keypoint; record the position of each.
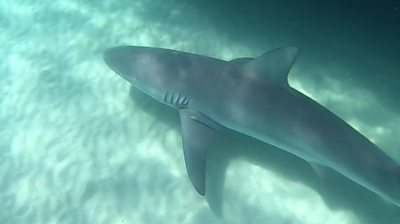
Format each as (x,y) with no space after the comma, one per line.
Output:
(274,65)
(199,134)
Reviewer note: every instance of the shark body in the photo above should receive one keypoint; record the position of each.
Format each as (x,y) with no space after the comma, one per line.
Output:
(252,96)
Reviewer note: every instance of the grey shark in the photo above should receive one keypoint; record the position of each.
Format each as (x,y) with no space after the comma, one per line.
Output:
(252,96)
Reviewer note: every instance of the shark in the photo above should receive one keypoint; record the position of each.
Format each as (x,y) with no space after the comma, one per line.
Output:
(252,96)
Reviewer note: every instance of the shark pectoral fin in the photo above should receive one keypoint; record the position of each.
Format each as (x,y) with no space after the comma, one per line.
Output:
(275,65)
(198,134)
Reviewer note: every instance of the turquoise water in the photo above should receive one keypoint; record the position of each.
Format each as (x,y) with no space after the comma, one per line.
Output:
(79,145)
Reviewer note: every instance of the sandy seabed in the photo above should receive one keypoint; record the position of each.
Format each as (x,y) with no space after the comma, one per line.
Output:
(75,146)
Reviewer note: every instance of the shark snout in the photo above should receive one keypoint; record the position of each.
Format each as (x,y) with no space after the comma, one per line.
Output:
(117,59)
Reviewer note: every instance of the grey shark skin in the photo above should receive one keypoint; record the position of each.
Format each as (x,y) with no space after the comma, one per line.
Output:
(253,97)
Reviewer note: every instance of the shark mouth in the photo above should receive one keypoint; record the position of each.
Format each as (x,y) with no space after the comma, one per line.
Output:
(176,100)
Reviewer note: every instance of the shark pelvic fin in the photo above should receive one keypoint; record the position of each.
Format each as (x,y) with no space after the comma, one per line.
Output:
(275,65)
(198,135)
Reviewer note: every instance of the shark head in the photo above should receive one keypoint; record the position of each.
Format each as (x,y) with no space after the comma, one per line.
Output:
(155,71)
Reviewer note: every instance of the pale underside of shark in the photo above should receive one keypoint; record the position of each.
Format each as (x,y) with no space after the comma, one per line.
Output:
(252,96)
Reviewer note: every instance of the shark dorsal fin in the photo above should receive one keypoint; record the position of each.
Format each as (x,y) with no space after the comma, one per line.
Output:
(274,65)
(199,133)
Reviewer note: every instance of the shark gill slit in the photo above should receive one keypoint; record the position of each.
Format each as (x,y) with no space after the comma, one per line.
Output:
(171,99)
(178,100)
(165,97)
